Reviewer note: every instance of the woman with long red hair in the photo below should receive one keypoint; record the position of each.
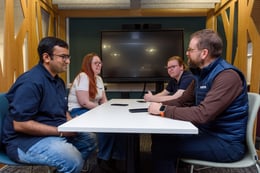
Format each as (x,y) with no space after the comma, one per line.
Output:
(87,90)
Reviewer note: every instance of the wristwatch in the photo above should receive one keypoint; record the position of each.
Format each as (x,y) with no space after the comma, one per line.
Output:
(162,109)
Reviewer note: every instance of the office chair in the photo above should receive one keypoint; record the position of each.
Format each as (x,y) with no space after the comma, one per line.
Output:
(250,157)
(4,159)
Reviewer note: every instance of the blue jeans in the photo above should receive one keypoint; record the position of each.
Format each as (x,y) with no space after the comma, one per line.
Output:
(166,149)
(66,154)
(77,111)
(110,146)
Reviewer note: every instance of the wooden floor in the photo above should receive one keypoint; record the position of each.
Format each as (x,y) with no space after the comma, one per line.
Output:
(145,163)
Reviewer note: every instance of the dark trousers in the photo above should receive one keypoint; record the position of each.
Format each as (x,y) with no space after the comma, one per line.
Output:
(166,149)
(112,146)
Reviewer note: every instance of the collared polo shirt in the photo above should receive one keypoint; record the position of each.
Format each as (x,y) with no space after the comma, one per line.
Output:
(185,80)
(38,96)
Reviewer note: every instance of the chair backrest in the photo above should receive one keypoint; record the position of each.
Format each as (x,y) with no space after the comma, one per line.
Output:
(4,106)
(254,104)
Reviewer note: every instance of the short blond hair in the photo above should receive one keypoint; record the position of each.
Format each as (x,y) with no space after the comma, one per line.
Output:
(180,61)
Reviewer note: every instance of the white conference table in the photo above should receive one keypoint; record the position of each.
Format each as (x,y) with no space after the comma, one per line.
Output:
(107,118)
(118,119)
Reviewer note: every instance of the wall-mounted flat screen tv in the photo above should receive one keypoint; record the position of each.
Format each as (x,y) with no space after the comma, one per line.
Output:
(139,56)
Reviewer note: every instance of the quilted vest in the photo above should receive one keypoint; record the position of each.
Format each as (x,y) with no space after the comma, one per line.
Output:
(231,124)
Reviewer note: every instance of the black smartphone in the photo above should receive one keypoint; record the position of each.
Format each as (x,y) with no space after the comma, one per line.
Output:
(141,101)
(119,104)
(136,110)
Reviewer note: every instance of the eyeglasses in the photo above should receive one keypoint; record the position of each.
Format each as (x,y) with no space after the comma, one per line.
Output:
(97,63)
(64,57)
(191,49)
(171,67)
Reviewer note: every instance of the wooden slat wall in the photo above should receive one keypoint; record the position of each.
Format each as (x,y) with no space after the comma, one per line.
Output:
(246,32)
(20,49)
(31,31)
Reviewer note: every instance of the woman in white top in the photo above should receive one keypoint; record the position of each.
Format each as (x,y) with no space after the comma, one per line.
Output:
(87,92)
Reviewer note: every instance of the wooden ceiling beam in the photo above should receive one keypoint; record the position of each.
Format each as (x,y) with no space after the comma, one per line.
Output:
(135,13)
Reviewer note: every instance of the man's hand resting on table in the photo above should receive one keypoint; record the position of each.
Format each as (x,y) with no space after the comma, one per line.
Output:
(154,108)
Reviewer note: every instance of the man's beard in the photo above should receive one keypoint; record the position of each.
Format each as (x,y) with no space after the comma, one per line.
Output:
(192,64)
(193,67)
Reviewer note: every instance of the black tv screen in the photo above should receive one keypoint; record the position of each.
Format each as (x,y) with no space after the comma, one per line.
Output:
(139,56)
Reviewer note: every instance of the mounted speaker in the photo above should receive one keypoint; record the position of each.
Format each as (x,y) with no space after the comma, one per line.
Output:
(141,26)
(131,26)
(152,26)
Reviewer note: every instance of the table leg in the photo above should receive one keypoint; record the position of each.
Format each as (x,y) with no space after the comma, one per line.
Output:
(133,153)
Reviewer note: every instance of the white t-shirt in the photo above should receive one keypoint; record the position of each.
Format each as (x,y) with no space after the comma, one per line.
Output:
(82,83)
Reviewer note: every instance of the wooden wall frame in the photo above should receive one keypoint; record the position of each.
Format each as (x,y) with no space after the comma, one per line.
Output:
(21,47)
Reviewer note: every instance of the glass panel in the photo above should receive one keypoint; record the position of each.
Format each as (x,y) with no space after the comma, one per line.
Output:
(235,30)
(2,12)
(36,22)
(249,62)
(222,34)
(45,22)
(25,53)
(18,16)
(54,27)
(228,13)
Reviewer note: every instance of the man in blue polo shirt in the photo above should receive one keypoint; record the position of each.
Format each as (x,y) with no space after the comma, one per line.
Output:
(181,78)
(38,105)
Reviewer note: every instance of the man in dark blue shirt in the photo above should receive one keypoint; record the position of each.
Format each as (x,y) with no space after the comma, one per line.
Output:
(38,105)
(179,82)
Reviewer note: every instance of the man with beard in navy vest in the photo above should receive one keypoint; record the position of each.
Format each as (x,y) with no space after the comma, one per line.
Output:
(217,103)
